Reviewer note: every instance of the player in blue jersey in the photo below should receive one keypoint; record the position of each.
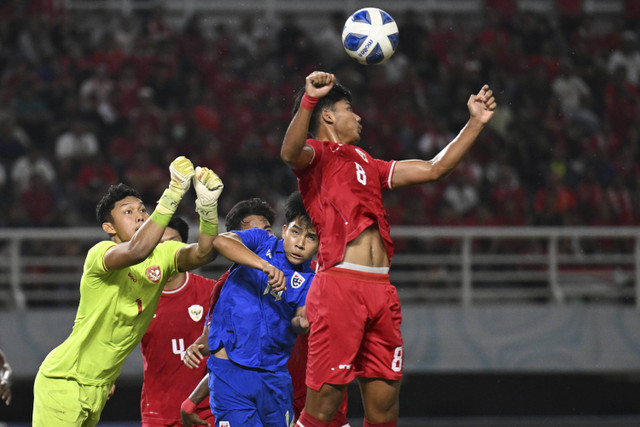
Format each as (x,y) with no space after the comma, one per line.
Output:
(255,326)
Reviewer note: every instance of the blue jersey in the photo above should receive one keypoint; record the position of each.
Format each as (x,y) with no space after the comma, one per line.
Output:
(252,321)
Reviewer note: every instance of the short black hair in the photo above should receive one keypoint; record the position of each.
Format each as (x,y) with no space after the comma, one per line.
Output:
(294,208)
(114,194)
(181,226)
(245,208)
(337,93)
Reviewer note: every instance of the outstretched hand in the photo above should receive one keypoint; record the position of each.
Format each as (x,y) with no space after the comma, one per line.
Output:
(181,170)
(193,355)
(319,83)
(189,420)
(482,105)
(208,186)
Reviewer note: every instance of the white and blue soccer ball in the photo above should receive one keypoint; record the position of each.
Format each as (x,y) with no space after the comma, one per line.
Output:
(370,36)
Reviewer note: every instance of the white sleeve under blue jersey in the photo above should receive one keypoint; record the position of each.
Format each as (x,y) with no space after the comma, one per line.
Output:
(252,321)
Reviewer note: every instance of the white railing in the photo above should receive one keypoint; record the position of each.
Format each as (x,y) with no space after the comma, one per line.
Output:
(457,265)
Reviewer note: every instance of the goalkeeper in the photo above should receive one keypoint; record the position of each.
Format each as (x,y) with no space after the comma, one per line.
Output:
(120,288)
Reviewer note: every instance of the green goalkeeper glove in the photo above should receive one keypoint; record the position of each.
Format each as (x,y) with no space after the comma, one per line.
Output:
(181,170)
(208,187)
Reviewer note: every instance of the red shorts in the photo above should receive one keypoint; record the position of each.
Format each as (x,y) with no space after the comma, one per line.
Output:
(297,370)
(354,320)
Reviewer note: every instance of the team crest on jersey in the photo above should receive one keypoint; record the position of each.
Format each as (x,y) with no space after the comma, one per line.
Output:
(297,280)
(195,312)
(154,273)
(361,153)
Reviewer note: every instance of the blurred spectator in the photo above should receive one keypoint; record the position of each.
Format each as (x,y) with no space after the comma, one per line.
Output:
(14,141)
(157,26)
(574,96)
(93,180)
(124,33)
(127,89)
(37,204)
(620,198)
(74,147)
(461,193)
(145,175)
(31,112)
(204,113)
(146,116)
(32,163)
(627,55)
(621,98)
(553,203)
(122,147)
(96,90)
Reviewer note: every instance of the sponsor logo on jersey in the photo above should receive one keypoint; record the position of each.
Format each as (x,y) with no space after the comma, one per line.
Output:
(224,424)
(344,366)
(133,279)
(195,312)
(361,153)
(297,280)
(154,273)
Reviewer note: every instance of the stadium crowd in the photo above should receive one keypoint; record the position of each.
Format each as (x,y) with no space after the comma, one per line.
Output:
(87,100)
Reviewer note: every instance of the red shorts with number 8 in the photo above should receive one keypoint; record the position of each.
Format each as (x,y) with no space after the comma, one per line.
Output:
(355,332)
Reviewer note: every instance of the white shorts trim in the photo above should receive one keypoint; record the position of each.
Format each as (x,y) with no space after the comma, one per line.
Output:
(364,268)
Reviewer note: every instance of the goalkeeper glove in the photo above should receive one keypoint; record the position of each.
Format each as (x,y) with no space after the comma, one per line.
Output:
(181,170)
(208,187)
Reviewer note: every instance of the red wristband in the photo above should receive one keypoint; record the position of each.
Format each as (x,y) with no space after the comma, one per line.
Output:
(308,102)
(188,406)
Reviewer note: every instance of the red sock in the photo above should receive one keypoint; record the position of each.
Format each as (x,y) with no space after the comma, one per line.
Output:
(368,423)
(307,420)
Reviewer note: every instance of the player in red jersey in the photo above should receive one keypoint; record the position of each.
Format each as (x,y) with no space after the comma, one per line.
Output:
(353,310)
(179,319)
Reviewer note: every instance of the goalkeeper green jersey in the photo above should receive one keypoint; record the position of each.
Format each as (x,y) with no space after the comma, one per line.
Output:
(114,312)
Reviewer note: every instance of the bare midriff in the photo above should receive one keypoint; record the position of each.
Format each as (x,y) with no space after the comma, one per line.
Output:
(221,354)
(367,249)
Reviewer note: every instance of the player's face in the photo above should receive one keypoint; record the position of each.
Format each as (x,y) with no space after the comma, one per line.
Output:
(300,241)
(346,122)
(256,221)
(128,216)
(170,234)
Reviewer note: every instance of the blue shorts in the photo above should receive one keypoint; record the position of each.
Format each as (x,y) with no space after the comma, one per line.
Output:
(249,397)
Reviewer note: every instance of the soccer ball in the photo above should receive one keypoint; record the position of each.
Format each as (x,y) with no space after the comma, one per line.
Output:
(370,36)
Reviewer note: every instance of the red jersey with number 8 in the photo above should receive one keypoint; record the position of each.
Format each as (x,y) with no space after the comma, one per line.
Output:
(342,192)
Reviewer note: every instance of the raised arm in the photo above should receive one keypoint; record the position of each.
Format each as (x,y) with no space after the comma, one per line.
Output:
(408,172)
(187,410)
(198,350)
(208,187)
(231,247)
(149,234)
(294,151)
